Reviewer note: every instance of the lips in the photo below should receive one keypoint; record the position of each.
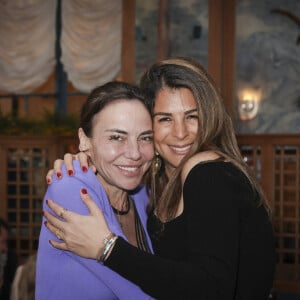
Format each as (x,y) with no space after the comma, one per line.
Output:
(181,150)
(128,169)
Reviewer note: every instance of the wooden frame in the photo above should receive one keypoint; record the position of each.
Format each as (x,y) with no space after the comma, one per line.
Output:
(221,48)
(128,41)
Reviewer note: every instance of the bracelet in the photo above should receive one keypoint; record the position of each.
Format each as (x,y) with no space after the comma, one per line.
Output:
(109,244)
(107,248)
(105,241)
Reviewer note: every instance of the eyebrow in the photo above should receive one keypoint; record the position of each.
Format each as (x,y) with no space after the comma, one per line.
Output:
(115,130)
(147,132)
(170,114)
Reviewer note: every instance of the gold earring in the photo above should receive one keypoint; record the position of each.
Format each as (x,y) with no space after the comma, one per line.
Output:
(156,164)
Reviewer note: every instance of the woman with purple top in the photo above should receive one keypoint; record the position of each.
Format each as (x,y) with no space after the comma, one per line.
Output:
(210,223)
(116,134)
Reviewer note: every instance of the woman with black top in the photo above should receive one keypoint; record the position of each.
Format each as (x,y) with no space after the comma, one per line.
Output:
(209,221)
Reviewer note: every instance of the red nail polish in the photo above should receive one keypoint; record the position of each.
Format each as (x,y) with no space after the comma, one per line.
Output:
(47,201)
(84,191)
(70,172)
(45,223)
(84,169)
(58,175)
(48,181)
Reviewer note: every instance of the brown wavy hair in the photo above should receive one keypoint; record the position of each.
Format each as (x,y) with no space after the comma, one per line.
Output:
(215,129)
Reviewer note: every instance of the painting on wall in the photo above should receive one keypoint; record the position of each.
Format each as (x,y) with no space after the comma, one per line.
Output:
(187,31)
(268,66)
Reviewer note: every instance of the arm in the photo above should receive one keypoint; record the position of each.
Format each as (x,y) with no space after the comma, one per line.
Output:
(87,278)
(229,245)
(209,270)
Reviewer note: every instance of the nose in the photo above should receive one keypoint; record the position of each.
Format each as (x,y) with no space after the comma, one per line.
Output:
(180,129)
(133,150)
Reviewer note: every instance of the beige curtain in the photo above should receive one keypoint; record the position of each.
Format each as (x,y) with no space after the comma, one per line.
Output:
(27,43)
(90,42)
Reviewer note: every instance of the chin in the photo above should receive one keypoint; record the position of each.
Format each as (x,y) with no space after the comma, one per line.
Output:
(131,186)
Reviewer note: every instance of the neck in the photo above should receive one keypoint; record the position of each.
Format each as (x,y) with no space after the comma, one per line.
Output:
(120,203)
(169,171)
(116,196)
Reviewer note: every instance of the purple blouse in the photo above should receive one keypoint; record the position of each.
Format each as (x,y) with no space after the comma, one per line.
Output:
(64,275)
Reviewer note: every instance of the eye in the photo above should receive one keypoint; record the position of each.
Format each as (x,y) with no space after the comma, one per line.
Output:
(116,137)
(164,119)
(146,138)
(193,116)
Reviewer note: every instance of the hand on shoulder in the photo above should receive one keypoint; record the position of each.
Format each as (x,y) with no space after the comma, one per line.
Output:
(196,159)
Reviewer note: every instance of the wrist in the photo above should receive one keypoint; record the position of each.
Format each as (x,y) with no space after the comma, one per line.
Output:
(105,251)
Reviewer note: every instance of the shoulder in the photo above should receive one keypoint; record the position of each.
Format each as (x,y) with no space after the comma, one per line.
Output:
(198,158)
(80,178)
(66,190)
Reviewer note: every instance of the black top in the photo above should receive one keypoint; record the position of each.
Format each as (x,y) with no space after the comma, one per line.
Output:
(8,276)
(221,247)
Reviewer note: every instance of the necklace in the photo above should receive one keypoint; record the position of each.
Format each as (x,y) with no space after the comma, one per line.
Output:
(122,212)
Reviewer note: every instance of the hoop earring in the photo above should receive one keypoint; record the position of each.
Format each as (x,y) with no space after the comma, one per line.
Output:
(156,164)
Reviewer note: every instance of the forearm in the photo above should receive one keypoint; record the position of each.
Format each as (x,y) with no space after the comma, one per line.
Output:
(166,279)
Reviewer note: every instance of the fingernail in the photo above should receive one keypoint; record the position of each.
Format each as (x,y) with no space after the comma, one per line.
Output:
(70,172)
(84,191)
(48,181)
(84,169)
(45,223)
(47,202)
(58,175)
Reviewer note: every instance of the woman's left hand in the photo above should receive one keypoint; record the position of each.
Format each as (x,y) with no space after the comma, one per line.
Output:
(82,235)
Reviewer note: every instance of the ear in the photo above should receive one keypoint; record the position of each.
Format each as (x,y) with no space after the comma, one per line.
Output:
(84,141)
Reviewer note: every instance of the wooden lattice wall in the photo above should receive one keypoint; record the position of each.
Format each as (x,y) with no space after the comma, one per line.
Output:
(24,163)
(275,160)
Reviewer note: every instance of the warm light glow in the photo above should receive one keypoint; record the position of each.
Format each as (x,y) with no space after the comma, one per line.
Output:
(249,101)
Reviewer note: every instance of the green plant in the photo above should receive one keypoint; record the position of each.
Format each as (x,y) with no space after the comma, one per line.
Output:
(49,124)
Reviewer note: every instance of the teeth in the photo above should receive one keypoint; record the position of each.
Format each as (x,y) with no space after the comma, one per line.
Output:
(181,149)
(129,169)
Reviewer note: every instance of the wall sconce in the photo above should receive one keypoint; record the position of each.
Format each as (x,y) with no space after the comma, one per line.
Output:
(248,103)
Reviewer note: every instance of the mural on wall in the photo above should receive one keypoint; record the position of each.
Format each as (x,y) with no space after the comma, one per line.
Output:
(268,66)
(188,31)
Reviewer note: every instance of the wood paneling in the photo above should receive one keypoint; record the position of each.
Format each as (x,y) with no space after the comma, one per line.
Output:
(275,159)
(128,41)
(24,164)
(221,49)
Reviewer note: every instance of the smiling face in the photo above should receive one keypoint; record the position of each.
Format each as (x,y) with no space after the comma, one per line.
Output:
(175,125)
(121,146)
